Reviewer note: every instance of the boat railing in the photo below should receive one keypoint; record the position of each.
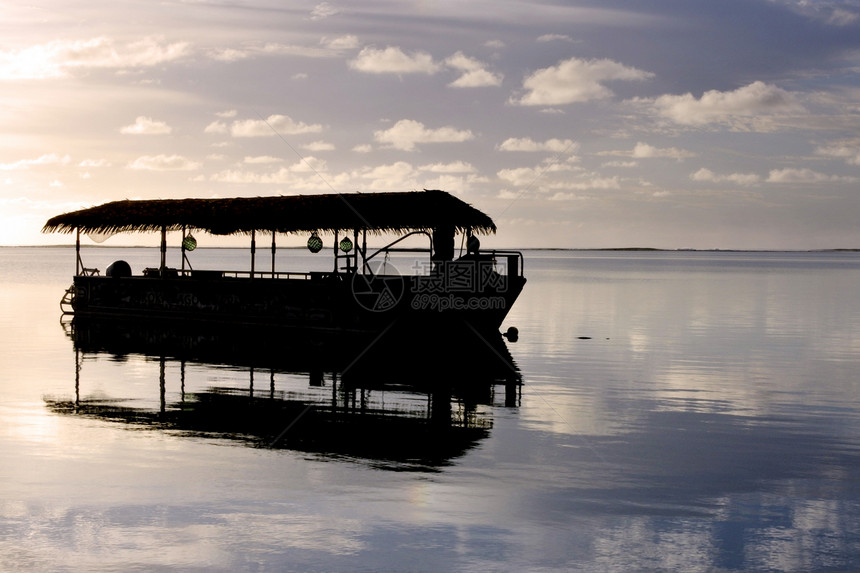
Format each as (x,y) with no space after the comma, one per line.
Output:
(514,260)
(390,248)
(208,274)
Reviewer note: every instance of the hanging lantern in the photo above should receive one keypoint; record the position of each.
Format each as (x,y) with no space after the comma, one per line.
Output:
(189,243)
(315,244)
(345,245)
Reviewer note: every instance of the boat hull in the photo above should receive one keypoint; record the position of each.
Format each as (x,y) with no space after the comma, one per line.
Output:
(339,301)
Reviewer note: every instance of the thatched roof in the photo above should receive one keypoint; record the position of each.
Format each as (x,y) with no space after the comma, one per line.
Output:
(374,212)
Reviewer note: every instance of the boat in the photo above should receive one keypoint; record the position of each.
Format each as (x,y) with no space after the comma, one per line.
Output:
(470,291)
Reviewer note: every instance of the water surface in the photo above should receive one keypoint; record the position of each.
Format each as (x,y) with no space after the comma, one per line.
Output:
(679,411)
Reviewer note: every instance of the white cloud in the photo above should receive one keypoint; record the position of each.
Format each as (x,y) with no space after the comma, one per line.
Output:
(164,163)
(323,10)
(48,159)
(528,144)
(457,184)
(645,151)
(842,17)
(399,175)
(262,159)
(454,167)
(595,182)
(393,60)
(58,58)
(805,175)
(555,38)
(325,49)
(341,43)
(217,127)
(524,176)
(146,126)
(363,148)
(706,175)
(303,174)
(847,150)
(494,44)
(575,80)
(622,164)
(474,72)
(272,125)
(230,54)
(406,133)
(319,146)
(94,163)
(751,101)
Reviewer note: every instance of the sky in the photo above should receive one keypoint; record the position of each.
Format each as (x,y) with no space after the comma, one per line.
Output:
(573,124)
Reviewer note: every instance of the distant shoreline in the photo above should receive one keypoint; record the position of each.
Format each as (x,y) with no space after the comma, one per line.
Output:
(560,249)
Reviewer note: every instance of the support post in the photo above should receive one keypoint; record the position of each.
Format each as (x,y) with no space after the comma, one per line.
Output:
(182,244)
(335,251)
(163,269)
(364,251)
(355,251)
(273,253)
(78,263)
(253,251)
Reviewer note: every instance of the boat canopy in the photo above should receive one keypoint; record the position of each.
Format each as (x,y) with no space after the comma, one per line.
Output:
(370,212)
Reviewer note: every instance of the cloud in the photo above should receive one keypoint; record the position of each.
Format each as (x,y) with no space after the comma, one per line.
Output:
(164,163)
(406,133)
(847,150)
(146,126)
(454,167)
(525,176)
(645,151)
(303,174)
(348,42)
(327,48)
(706,175)
(94,163)
(842,17)
(621,164)
(528,144)
(751,101)
(474,72)
(390,175)
(319,146)
(217,127)
(272,125)
(805,175)
(48,159)
(554,38)
(262,159)
(323,10)
(828,12)
(393,60)
(58,58)
(575,81)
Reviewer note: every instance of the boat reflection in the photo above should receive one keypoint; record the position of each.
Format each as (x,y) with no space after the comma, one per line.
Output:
(391,401)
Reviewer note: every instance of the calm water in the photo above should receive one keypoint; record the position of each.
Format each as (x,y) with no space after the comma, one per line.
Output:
(679,412)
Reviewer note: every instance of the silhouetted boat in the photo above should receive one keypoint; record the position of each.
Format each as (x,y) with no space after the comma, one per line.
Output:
(472,292)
